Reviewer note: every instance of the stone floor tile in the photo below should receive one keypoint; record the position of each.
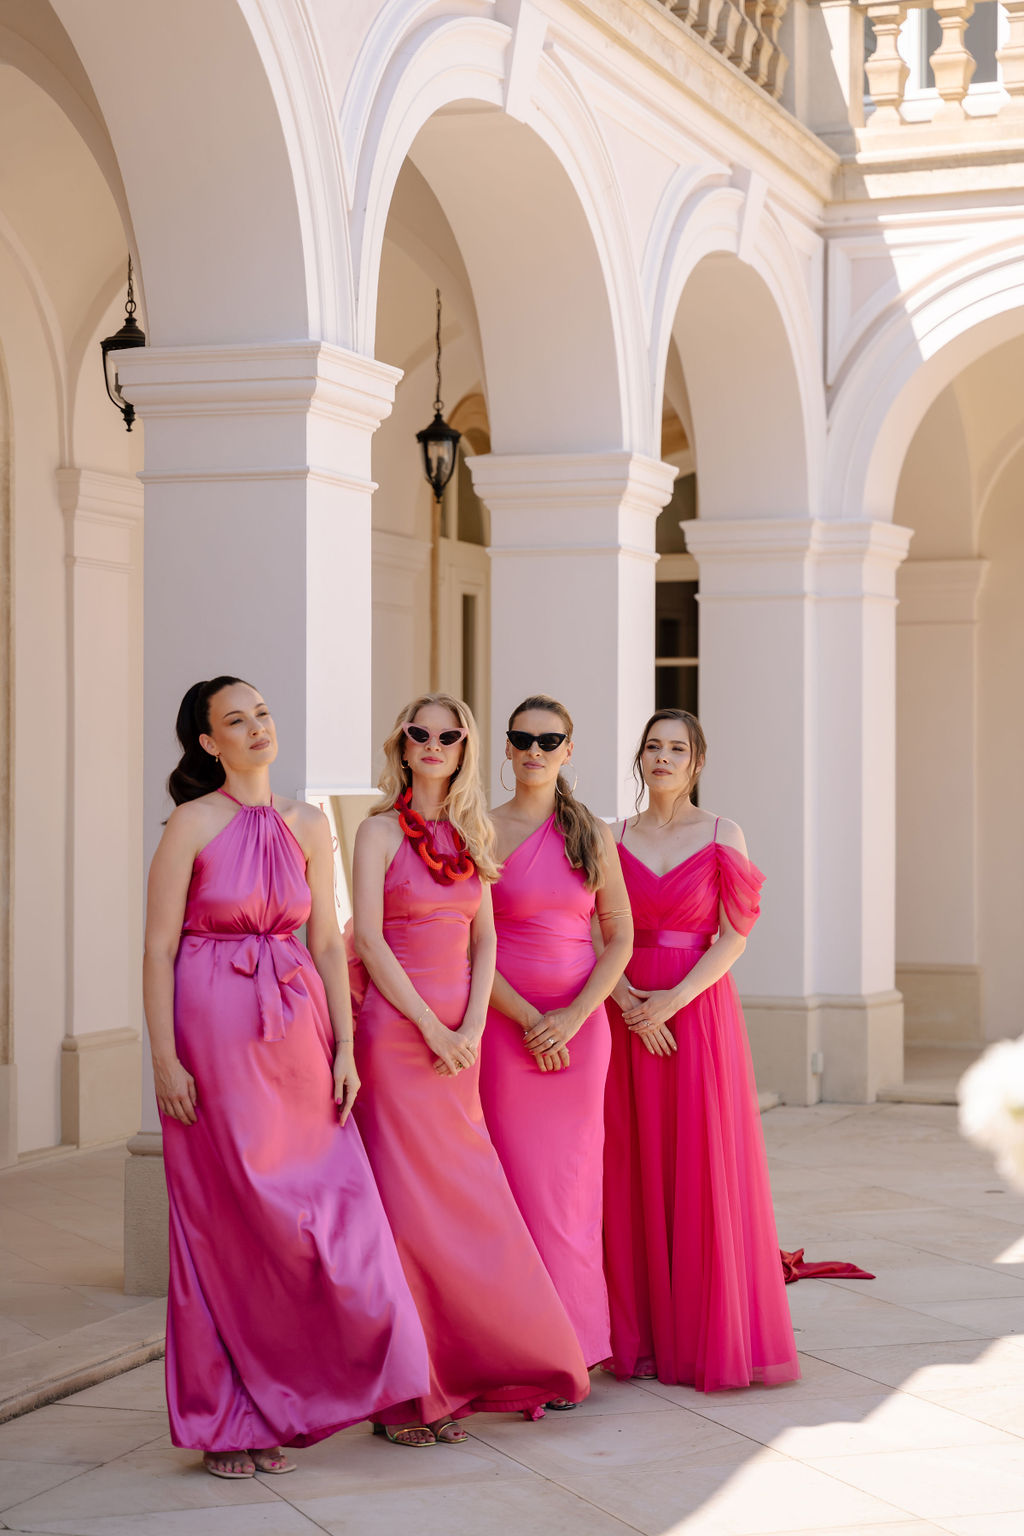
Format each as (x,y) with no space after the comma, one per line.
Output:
(765,1495)
(574,1448)
(610,1396)
(142,1388)
(818,1378)
(51,1310)
(824,1426)
(357,1461)
(899,1528)
(828,1317)
(936,1366)
(21,1480)
(63,1434)
(532,1506)
(969,1480)
(994,1316)
(940,1280)
(1010,1524)
(154,1480)
(275,1518)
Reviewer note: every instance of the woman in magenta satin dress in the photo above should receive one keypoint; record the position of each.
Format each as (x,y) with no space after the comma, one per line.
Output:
(542,1073)
(497,1335)
(694,1278)
(288,1315)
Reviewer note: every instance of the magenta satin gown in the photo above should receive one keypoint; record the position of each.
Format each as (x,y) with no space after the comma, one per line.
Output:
(548,1127)
(497,1335)
(694,1277)
(288,1315)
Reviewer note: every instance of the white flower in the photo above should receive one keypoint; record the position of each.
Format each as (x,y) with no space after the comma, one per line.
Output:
(991,1096)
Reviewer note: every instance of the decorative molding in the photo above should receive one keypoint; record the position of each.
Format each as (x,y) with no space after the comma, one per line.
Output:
(200,476)
(400,552)
(796,558)
(940,591)
(280,378)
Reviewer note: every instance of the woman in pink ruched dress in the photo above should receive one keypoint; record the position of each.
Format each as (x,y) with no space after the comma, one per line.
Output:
(498,1337)
(694,1277)
(288,1314)
(543,1070)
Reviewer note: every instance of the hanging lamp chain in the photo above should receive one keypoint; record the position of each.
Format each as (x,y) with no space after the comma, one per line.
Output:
(438,405)
(129,306)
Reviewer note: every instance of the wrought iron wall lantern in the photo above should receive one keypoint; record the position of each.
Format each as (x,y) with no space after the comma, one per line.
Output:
(439,445)
(131,334)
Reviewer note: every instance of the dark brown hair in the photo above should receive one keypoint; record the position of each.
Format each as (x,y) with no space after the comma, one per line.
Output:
(198,772)
(698,748)
(579,827)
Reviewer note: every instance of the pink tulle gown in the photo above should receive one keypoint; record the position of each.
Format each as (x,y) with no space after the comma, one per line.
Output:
(288,1315)
(548,1127)
(497,1335)
(694,1277)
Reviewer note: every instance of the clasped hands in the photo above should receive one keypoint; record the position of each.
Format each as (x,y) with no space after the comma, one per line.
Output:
(454,1049)
(547,1036)
(647,1012)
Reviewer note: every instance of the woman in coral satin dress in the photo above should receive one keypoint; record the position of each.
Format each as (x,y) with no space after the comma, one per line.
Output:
(543,1070)
(695,1283)
(288,1315)
(497,1335)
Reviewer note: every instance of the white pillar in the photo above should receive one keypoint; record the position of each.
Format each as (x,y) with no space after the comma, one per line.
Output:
(100,1061)
(257,563)
(797,697)
(937,917)
(572,600)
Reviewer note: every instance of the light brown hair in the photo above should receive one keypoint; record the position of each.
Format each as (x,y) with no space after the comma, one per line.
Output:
(584,847)
(698,748)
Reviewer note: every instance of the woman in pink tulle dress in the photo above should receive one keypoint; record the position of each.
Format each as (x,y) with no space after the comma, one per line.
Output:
(288,1315)
(695,1283)
(543,1070)
(497,1335)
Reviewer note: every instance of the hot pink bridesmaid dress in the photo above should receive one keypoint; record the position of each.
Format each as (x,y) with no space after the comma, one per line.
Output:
(288,1315)
(497,1335)
(548,1127)
(694,1277)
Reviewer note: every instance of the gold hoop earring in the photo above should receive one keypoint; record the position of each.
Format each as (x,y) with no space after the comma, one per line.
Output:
(501,776)
(575,780)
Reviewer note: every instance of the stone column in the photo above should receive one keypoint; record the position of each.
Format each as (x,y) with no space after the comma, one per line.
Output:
(257,563)
(572,600)
(937,916)
(100,1062)
(797,655)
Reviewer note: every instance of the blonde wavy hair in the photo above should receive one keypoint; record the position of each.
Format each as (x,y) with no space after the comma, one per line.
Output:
(464,805)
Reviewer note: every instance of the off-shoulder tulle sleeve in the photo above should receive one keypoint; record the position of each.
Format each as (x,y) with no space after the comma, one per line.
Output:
(740,888)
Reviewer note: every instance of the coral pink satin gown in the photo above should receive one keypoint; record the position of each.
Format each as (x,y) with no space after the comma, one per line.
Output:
(694,1277)
(288,1315)
(548,1127)
(497,1335)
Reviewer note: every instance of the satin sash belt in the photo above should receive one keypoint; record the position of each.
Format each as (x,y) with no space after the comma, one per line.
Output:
(670,938)
(270,975)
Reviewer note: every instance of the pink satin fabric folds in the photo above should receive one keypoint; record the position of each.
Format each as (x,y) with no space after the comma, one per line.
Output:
(288,1315)
(548,1127)
(694,1278)
(497,1335)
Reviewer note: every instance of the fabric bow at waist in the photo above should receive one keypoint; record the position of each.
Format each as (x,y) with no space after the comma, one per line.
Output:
(261,956)
(672,938)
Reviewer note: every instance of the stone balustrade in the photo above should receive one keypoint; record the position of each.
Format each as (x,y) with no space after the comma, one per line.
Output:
(746,32)
(952,63)
(826,39)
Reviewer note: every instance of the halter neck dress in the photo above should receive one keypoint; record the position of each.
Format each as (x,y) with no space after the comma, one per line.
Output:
(548,1127)
(288,1315)
(498,1337)
(694,1278)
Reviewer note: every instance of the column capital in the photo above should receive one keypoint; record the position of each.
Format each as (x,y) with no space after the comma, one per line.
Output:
(572,501)
(940,591)
(274,376)
(796,557)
